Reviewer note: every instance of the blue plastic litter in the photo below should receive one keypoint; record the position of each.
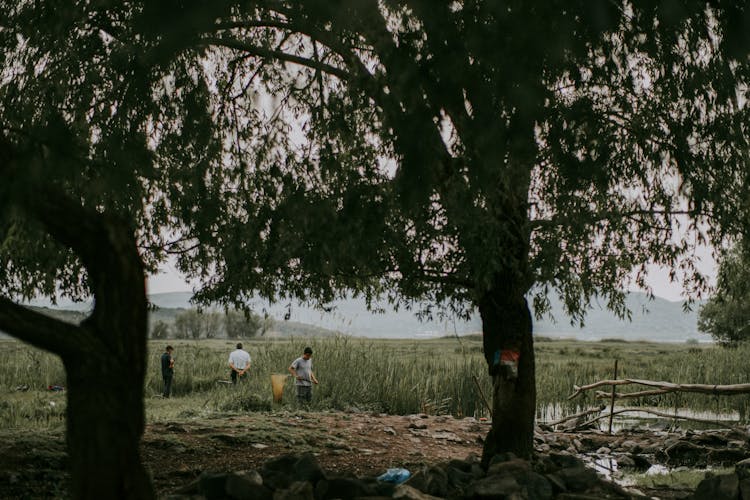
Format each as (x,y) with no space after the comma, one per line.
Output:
(396,476)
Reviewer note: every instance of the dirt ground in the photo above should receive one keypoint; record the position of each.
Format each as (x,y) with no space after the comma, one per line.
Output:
(32,465)
(360,443)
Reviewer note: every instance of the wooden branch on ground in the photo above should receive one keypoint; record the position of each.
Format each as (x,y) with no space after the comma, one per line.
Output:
(583,388)
(669,387)
(651,412)
(584,413)
(626,395)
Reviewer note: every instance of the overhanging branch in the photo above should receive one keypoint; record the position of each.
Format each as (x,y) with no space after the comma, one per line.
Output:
(40,330)
(248,48)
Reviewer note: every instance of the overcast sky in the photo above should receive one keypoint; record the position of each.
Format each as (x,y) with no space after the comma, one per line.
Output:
(169,280)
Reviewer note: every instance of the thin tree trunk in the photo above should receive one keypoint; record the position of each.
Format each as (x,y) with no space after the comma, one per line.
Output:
(507,328)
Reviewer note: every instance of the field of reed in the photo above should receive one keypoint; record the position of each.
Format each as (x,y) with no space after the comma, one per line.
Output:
(435,376)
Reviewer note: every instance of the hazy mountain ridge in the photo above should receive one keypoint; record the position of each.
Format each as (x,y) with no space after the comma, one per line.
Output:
(658,320)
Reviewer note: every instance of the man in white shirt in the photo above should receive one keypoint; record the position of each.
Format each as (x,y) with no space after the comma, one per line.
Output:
(239,361)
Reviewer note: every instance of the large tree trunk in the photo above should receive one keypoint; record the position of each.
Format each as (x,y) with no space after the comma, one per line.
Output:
(105,356)
(106,376)
(104,428)
(507,333)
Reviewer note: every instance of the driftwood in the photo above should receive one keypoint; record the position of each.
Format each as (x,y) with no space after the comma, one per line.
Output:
(651,412)
(630,395)
(582,414)
(583,424)
(665,387)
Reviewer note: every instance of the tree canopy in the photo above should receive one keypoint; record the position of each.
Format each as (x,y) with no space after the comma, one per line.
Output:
(473,154)
(726,315)
(467,154)
(616,135)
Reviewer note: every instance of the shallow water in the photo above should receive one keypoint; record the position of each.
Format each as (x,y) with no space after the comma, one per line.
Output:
(637,418)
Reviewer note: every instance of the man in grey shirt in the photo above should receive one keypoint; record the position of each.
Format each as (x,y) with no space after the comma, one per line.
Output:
(301,370)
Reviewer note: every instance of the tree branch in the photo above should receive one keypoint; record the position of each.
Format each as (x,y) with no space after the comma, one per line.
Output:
(251,49)
(563,220)
(40,330)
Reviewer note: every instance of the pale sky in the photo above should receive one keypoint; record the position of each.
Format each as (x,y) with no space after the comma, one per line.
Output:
(170,280)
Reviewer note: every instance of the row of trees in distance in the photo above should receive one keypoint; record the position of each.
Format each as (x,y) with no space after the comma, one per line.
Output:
(192,324)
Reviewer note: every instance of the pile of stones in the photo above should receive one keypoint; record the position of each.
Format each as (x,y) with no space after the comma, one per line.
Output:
(551,476)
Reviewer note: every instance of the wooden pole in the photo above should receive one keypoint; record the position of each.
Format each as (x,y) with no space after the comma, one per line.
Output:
(486,404)
(612,405)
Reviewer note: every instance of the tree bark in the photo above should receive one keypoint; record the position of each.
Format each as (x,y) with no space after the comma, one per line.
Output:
(507,328)
(104,428)
(105,377)
(105,356)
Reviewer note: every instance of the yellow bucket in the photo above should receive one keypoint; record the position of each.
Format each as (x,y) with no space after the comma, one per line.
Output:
(277,384)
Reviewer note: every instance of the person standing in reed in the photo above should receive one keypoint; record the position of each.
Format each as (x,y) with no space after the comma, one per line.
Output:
(167,370)
(301,370)
(239,362)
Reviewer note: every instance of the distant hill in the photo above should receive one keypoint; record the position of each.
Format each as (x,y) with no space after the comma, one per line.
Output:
(658,320)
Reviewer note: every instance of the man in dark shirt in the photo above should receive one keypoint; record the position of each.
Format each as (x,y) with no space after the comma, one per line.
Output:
(167,370)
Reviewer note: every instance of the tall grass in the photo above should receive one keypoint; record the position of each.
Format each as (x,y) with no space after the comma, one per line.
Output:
(394,376)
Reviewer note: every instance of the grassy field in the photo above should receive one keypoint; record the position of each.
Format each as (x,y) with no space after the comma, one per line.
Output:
(434,376)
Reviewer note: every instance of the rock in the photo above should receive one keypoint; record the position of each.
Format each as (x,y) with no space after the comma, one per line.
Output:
(430,480)
(727,456)
(745,489)
(631,446)
(537,486)
(246,485)
(684,453)
(625,462)
(344,487)
(556,482)
(298,490)
(280,472)
(212,485)
(742,469)
(462,465)
(709,439)
(307,468)
(178,429)
(450,436)
(512,467)
(641,463)
(420,431)
(723,487)
(502,457)
(406,492)
(578,479)
(593,442)
(493,487)
(458,479)
(565,460)
(389,430)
